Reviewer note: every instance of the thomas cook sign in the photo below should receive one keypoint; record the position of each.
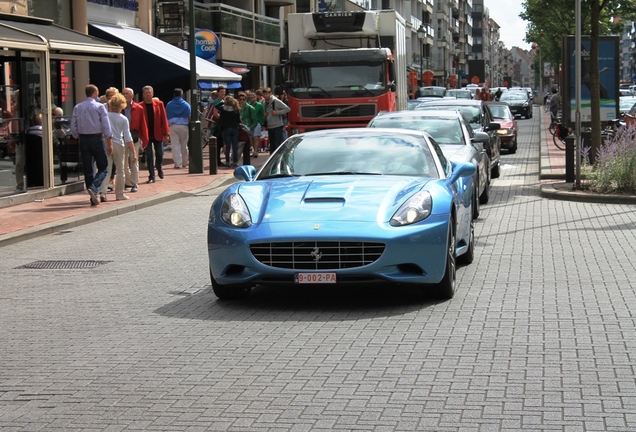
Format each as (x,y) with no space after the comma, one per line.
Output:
(207,44)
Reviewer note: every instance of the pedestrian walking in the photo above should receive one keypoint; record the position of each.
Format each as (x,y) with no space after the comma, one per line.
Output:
(178,112)
(250,119)
(229,123)
(136,116)
(275,109)
(158,132)
(254,101)
(90,125)
(121,138)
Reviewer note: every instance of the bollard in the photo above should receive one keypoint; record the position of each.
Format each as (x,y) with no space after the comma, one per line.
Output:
(213,155)
(570,144)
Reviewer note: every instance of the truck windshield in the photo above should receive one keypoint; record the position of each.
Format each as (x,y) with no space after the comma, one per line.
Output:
(338,80)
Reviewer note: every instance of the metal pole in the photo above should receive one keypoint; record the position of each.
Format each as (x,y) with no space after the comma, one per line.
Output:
(194,143)
(577,88)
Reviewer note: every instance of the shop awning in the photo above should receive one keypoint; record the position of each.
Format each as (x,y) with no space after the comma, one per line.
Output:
(215,85)
(37,34)
(147,49)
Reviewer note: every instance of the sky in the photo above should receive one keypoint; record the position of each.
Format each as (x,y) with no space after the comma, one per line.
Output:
(506,14)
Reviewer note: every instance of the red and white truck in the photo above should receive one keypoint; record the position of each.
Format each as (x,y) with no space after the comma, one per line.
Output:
(344,67)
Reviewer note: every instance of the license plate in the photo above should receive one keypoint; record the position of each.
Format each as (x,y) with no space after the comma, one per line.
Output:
(315,278)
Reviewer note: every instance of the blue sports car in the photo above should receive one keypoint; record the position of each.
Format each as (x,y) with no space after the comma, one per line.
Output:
(344,206)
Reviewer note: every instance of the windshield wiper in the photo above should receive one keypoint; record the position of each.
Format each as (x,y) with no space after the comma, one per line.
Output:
(319,88)
(357,89)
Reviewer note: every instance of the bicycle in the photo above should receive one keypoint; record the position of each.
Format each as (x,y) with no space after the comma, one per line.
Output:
(560,132)
(553,121)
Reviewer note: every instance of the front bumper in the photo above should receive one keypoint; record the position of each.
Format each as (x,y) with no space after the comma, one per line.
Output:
(413,254)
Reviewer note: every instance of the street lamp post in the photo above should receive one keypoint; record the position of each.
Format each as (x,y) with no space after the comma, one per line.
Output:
(421,34)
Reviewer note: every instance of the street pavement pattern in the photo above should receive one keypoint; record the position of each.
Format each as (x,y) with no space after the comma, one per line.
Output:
(540,335)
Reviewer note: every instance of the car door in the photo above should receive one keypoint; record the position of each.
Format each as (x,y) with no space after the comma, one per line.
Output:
(481,159)
(495,142)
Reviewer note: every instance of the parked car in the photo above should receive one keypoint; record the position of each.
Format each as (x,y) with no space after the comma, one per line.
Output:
(625,104)
(508,128)
(344,206)
(479,117)
(432,92)
(519,101)
(459,94)
(456,138)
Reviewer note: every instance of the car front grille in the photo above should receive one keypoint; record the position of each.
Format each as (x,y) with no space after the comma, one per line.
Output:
(321,255)
(337,111)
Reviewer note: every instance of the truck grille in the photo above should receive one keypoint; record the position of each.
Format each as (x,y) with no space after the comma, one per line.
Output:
(321,255)
(337,111)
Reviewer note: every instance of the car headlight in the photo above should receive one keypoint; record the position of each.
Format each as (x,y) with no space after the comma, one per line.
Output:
(525,104)
(234,212)
(417,208)
(503,131)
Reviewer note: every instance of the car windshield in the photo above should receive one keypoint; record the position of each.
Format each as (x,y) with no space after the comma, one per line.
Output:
(432,91)
(501,112)
(513,96)
(347,154)
(459,94)
(472,113)
(444,130)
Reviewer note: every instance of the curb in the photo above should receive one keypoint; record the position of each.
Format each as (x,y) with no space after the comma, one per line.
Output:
(565,192)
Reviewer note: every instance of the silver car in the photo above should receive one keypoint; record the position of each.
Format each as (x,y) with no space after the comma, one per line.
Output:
(455,137)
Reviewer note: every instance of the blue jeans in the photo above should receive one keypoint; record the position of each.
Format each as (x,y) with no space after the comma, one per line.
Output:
(230,139)
(93,149)
(157,146)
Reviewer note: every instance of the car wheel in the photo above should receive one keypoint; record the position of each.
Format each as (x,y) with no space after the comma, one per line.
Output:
(446,288)
(225,292)
(476,209)
(513,149)
(494,173)
(485,195)
(469,256)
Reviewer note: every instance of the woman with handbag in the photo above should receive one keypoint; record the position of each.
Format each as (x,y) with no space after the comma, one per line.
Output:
(229,123)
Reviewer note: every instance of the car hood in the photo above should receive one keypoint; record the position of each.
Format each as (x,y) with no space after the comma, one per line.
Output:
(352,198)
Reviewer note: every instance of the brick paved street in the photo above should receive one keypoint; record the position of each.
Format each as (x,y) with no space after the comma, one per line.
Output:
(540,335)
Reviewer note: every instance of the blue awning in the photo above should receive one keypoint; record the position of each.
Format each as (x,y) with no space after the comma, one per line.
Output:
(215,84)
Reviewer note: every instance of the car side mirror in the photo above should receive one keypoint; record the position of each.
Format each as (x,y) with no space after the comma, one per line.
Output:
(480,138)
(493,126)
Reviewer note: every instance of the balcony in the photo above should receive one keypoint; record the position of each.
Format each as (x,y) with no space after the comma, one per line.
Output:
(454,26)
(238,23)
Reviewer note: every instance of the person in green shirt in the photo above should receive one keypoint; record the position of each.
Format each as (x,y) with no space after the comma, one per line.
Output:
(248,118)
(254,101)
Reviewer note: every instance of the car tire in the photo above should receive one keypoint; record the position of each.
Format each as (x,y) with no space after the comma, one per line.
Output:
(446,287)
(476,207)
(225,292)
(469,256)
(485,195)
(513,149)
(495,172)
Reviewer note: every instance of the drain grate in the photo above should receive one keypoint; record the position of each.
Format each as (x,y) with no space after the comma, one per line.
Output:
(63,265)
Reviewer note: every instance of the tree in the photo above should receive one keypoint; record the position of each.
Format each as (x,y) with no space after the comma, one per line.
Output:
(551,20)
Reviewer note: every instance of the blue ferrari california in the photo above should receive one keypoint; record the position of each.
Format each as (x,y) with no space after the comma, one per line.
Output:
(344,206)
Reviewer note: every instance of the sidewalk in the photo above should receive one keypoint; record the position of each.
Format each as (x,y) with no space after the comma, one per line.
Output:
(46,216)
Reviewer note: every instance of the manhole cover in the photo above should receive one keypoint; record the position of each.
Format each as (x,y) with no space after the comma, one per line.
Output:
(63,265)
